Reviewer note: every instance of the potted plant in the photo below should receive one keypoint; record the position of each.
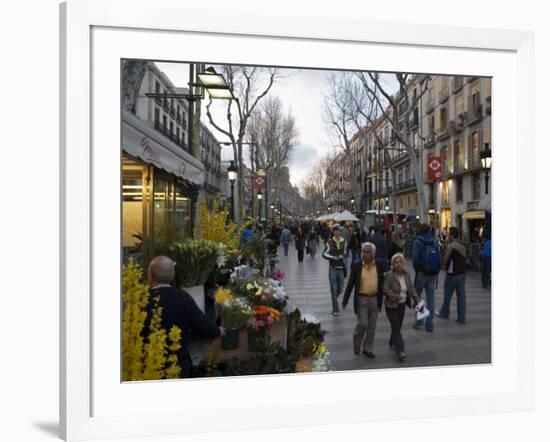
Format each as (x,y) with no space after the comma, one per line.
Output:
(235,313)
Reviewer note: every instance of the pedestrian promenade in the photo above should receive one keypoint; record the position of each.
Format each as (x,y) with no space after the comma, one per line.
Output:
(451,343)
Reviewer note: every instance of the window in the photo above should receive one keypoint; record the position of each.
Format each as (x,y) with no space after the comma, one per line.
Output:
(459,190)
(476,186)
(164,121)
(157,117)
(459,105)
(445,193)
(443,118)
(458,156)
(407,173)
(447,165)
(157,87)
(474,149)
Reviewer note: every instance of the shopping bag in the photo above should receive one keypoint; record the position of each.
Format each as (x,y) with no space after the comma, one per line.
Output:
(421,312)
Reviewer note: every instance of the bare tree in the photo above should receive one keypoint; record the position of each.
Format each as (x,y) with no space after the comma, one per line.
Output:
(273,137)
(346,107)
(249,85)
(397,110)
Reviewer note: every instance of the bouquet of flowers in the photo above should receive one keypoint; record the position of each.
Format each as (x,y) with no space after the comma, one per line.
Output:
(268,292)
(235,313)
(241,276)
(263,316)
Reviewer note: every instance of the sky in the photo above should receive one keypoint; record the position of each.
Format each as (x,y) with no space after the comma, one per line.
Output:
(301,91)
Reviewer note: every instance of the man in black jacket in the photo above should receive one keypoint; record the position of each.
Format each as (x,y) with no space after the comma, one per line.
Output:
(367,277)
(178,309)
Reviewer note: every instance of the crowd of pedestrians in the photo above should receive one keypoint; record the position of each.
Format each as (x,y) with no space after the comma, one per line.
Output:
(373,262)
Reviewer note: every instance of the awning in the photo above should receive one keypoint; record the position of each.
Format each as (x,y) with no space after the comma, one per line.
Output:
(484,203)
(474,214)
(151,146)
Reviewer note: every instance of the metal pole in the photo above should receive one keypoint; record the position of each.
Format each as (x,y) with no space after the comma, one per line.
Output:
(191,112)
(232,200)
(486,182)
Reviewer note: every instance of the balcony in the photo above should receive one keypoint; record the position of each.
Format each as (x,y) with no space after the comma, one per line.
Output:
(443,133)
(457,125)
(399,158)
(458,84)
(170,135)
(430,140)
(430,106)
(405,185)
(158,100)
(443,95)
(474,115)
(178,118)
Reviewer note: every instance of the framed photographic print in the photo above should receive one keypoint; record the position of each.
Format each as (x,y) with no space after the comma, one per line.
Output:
(261,218)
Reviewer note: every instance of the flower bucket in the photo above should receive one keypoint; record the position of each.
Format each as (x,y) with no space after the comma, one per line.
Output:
(254,336)
(231,340)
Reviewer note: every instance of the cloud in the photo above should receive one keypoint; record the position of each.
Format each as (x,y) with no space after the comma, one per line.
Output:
(303,158)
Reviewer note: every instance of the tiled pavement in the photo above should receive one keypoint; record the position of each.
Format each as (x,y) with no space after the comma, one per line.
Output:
(307,285)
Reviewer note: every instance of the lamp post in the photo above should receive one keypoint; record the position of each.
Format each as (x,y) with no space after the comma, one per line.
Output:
(232,175)
(259,205)
(486,163)
(352,202)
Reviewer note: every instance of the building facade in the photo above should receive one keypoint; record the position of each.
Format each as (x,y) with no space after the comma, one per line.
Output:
(450,122)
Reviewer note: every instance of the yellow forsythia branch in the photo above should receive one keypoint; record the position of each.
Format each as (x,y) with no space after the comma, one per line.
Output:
(157,357)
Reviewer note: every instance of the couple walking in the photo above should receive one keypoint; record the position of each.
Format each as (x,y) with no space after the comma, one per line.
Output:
(371,287)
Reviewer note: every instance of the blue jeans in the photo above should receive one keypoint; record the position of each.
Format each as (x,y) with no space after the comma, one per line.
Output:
(285,246)
(336,279)
(452,283)
(485,271)
(426,282)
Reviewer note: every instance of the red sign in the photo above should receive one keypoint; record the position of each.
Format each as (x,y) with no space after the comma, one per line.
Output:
(259,181)
(434,168)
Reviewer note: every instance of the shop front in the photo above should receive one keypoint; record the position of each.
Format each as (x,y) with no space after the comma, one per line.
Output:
(160,185)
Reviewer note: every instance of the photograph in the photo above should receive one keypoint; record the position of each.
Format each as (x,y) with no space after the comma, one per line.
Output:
(282,220)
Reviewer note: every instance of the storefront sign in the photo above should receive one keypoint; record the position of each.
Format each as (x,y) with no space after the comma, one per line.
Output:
(434,168)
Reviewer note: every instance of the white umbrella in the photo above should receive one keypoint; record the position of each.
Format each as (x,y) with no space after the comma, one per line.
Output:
(332,216)
(346,215)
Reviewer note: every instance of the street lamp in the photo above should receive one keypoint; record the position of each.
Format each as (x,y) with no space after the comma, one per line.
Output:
(260,205)
(232,175)
(486,163)
(215,84)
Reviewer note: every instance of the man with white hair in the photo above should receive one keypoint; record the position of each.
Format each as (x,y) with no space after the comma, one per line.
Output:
(178,309)
(367,277)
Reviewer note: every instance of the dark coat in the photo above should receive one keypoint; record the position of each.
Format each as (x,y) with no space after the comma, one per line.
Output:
(181,310)
(354,281)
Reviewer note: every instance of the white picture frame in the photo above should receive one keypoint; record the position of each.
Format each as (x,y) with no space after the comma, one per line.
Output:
(91,405)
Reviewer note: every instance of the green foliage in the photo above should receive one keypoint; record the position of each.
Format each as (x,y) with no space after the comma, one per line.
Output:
(195,261)
(303,336)
(258,248)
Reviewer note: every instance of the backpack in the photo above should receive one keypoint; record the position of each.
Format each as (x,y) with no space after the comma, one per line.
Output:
(430,259)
